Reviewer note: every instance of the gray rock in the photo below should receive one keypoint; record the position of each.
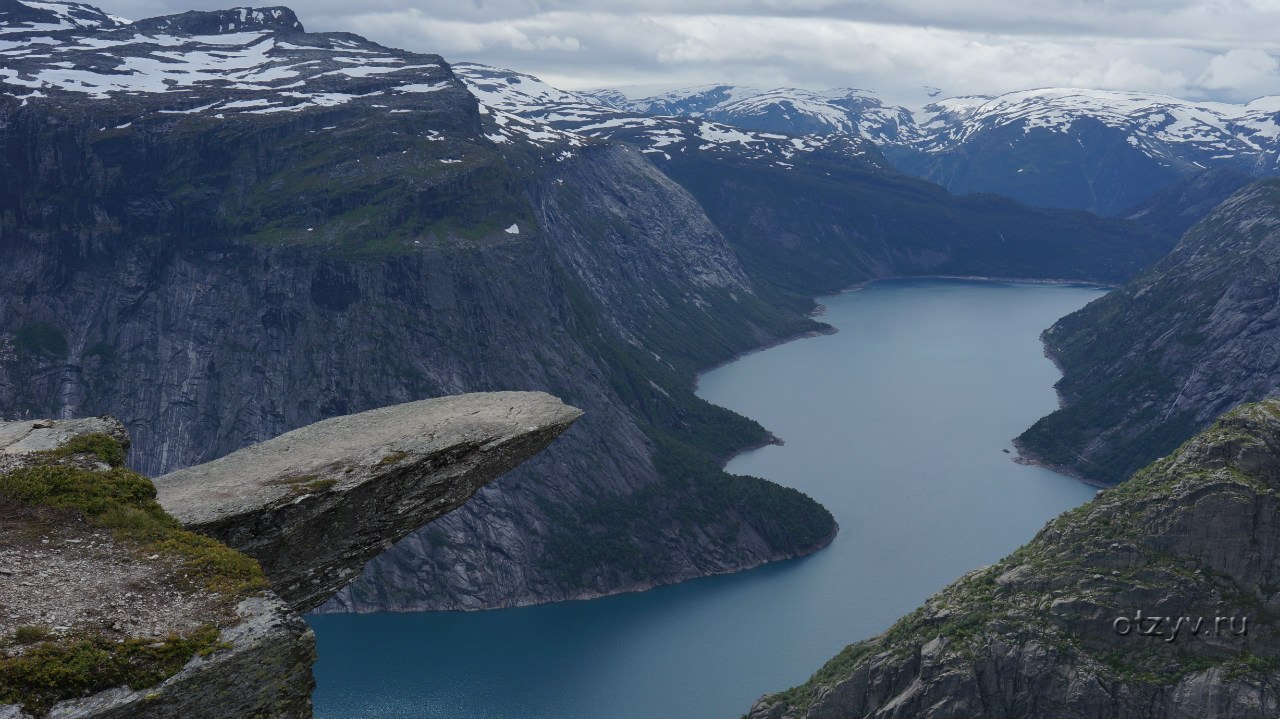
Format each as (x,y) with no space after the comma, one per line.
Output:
(1197,534)
(41,435)
(1152,363)
(265,671)
(315,504)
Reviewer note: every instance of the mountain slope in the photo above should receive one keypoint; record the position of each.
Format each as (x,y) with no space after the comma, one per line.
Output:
(1067,625)
(1095,150)
(306,225)
(816,213)
(1101,151)
(1148,365)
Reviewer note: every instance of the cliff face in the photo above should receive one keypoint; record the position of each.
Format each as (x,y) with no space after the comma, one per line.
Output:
(215,278)
(221,252)
(111,610)
(826,223)
(1149,364)
(1159,598)
(119,602)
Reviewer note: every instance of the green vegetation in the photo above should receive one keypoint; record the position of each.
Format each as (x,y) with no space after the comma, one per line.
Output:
(1126,356)
(102,446)
(41,339)
(979,609)
(391,458)
(42,676)
(48,669)
(692,438)
(124,501)
(31,634)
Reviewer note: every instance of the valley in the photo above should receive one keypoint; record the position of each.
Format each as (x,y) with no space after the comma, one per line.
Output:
(219,226)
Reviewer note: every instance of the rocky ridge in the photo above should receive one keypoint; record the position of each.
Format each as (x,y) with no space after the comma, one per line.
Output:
(1159,598)
(1097,150)
(1150,364)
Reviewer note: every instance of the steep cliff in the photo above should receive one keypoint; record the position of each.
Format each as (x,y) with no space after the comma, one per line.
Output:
(1159,598)
(118,601)
(108,608)
(1149,364)
(218,260)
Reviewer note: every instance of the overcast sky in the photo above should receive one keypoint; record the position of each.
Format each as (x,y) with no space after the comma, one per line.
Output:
(1197,49)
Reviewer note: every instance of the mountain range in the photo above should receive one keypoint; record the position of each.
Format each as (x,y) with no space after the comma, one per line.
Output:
(1097,150)
(218,227)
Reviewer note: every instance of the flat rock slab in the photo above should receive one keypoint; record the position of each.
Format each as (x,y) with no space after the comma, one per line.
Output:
(42,435)
(315,504)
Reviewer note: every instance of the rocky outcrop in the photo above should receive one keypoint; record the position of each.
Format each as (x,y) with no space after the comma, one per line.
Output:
(315,504)
(107,615)
(109,611)
(1148,365)
(1159,598)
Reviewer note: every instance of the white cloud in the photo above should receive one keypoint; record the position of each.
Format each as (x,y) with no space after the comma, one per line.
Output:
(1222,49)
(1247,72)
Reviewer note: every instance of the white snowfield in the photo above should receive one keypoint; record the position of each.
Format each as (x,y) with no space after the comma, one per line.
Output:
(512,96)
(83,51)
(1161,126)
(1149,119)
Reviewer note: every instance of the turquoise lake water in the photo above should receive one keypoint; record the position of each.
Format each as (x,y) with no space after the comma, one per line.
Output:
(896,424)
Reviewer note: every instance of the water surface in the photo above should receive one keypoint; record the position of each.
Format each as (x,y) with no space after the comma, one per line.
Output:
(896,424)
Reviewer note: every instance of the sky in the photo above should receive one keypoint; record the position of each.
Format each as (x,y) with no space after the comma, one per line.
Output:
(1223,50)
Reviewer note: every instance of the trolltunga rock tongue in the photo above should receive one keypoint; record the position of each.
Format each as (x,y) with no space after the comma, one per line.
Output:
(315,504)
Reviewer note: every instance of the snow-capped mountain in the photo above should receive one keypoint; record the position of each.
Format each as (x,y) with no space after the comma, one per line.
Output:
(1160,125)
(1088,149)
(589,115)
(256,61)
(790,110)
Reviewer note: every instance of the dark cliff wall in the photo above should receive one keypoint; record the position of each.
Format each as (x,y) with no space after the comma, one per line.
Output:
(214,284)
(1148,365)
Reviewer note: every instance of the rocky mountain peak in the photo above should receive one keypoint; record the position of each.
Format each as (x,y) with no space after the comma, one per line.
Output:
(51,16)
(218,22)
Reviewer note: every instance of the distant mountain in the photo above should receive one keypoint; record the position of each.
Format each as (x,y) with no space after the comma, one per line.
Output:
(1150,364)
(790,110)
(664,135)
(1102,151)
(814,213)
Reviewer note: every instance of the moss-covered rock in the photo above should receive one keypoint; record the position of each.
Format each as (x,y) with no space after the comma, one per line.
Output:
(1066,625)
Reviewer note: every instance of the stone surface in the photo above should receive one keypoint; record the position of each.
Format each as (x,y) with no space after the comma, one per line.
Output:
(313,505)
(1150,364)
(1195,535)
(263,672)
(17,438)
(74,580)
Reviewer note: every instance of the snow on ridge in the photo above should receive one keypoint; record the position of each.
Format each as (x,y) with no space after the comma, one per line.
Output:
(251,70)
(1147,117)
(574,118)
